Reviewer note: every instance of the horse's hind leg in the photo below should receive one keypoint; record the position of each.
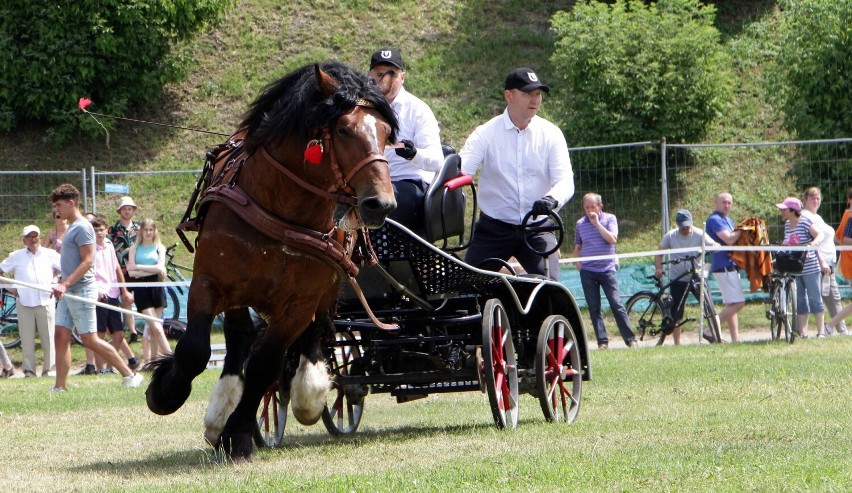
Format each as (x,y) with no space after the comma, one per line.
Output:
(171,382)
(240,334)
(310,384)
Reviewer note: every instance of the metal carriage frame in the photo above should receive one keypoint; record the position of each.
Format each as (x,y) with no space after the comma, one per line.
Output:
(461,329)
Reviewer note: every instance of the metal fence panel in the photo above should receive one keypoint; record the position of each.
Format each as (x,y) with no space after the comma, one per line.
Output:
(25,195)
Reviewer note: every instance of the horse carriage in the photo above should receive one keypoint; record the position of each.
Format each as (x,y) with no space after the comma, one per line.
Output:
(380,311)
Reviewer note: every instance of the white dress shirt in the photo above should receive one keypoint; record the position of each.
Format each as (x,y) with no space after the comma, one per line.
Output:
(518,166)
(417,123)
(38,268)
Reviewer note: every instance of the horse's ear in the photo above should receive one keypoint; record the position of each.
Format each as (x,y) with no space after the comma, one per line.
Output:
(326,84)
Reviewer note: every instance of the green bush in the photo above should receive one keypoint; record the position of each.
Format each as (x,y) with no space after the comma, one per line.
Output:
(116,52)
(635,72)
(811,82)
(813,69)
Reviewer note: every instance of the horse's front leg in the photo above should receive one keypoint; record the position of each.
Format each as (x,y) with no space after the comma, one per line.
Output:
(240,334)
(171,382)
(262,369)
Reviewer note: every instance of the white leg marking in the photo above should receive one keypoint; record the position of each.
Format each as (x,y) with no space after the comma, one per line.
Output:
(308,390)
(223,400)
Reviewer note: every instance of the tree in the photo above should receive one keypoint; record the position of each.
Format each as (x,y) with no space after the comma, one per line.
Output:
(117,52)
(634,71)
(813,74)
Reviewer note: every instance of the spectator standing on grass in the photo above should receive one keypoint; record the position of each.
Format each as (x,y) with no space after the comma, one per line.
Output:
(525,167)
(596,234)
(122,234)
(107,275)
(417,156)
(800,230)
(684,236)
(146,263)
(76,261)
(53,239)
(721,229)
(34,264)
(829,289)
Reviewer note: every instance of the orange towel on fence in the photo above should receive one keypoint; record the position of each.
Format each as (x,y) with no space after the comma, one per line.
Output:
(757,265)
(845,261)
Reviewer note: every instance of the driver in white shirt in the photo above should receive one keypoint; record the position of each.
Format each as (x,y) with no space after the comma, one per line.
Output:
(525,167)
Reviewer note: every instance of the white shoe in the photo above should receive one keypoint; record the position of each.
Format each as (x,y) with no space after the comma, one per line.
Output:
(133,380)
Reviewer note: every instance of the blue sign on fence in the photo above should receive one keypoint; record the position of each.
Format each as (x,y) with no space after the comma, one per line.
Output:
(117,188)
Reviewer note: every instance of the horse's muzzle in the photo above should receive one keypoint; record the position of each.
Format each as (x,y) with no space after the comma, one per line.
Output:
(374,210)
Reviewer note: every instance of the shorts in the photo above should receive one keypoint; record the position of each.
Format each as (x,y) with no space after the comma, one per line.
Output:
(148,297)
(109,319)
(75,313)
(730,286)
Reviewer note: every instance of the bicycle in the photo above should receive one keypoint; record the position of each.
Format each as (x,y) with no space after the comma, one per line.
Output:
(782,306)
(651,313)
(174,274)
(9,334)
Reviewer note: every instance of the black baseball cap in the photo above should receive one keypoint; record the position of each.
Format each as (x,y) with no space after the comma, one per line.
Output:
(387,55)
(525,80)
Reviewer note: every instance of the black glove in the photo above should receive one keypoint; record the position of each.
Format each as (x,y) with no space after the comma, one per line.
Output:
(407,152)
(544,205)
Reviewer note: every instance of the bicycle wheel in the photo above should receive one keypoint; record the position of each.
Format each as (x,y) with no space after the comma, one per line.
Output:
(174,302)
(790,306)
(774,312)
(709,312)
(9,335)
(645,313)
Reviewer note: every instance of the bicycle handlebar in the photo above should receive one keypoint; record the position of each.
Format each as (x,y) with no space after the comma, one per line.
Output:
(680,260)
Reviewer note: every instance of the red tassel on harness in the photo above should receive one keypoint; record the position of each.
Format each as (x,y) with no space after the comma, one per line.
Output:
(313,153)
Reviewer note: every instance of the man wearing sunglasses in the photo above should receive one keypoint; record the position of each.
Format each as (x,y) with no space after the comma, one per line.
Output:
(417,155)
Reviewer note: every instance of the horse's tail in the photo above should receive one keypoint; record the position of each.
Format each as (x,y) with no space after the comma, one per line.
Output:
(167,391)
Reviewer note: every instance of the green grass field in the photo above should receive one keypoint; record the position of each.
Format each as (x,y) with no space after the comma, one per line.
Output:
(757,417)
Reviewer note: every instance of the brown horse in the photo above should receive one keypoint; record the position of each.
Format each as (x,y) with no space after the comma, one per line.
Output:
(266,226)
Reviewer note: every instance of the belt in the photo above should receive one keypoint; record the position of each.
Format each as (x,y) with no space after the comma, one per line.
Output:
(730,268)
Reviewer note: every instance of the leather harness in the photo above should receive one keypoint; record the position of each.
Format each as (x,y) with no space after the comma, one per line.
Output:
(335,247)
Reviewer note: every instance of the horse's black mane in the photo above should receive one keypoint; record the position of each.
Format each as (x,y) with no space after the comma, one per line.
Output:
(292,106)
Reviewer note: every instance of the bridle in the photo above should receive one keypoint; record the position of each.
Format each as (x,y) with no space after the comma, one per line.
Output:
(340,192)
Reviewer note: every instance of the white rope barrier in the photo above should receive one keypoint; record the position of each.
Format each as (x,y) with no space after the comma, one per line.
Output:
(709,249)
(39,287)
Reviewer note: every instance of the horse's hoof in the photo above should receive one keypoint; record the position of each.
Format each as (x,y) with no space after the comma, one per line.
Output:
(237,447)
(164,401)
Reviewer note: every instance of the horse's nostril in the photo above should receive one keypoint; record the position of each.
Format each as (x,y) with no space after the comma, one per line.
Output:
(378,206)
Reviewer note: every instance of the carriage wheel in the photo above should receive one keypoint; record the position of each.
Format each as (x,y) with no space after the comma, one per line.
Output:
(273,416)
(342,413)
(557,365)
(500,370)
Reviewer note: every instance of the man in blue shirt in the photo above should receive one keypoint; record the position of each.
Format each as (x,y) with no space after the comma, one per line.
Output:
(720,227)
(596,234)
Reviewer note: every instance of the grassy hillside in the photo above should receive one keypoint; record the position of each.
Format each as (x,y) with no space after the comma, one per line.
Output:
(457,54)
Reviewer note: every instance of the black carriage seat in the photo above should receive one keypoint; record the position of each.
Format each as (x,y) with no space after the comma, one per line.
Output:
(444,204)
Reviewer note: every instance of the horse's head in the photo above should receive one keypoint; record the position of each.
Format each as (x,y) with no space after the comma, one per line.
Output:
(331,126)
(354,144)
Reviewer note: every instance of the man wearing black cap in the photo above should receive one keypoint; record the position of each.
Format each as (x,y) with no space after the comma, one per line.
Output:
(417,156)
(524,167)
(684,236)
